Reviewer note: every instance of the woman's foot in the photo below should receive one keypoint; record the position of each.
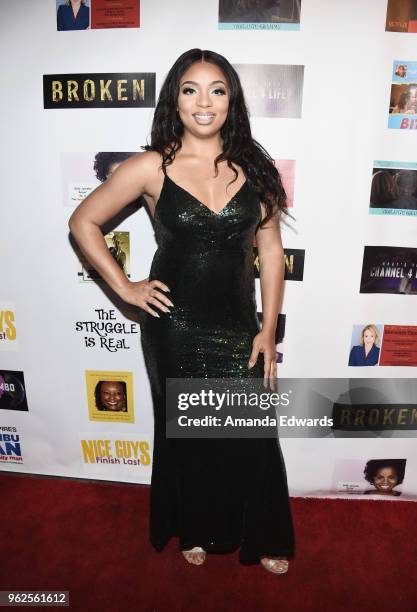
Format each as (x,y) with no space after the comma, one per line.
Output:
(195,556)
(276,565)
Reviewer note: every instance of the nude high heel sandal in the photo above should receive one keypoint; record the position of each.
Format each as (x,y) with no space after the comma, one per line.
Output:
(195,556)
(275,565)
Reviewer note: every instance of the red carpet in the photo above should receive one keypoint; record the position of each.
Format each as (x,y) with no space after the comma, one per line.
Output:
(90,538)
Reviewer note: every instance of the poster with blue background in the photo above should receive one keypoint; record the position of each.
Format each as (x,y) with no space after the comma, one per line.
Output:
(403,100)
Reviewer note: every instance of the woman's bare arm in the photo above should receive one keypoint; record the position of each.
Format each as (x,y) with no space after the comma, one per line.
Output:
(137,175)
(271,273)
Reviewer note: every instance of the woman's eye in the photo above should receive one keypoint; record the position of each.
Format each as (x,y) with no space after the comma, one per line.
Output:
(219,91)
(188,90)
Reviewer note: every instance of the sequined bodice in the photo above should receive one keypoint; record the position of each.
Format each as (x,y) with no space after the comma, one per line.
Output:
(183,222)
(206,257)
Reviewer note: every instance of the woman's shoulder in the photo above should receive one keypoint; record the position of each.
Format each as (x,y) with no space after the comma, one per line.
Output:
(143,169)
(147,161)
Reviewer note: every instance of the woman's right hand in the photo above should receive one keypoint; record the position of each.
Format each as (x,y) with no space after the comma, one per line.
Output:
(145,292)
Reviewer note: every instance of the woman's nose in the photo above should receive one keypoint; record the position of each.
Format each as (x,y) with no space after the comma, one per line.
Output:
(204,99)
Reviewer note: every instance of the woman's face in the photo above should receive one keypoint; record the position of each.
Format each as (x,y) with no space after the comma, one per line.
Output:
(112,396)
(203,99)
(386,479)
(368,337)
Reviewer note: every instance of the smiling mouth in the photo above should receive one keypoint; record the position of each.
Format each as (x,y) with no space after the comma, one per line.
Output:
(204,117)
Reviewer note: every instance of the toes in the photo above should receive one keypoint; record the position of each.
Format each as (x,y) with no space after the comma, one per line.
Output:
(194,558)
(275,565)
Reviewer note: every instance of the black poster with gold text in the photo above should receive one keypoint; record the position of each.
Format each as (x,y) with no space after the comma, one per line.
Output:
(97,90)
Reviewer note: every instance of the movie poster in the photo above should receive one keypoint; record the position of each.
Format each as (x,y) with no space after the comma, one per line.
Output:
(97,14)
(13,391)
(83,172)
(9,340)
(286,169)
(394,188)
(119,246)
(381,477)
(272,90)
(389,269)
(401,16)
(10,446)
(99,90)
(399,346)
(259,14)
(110,396)
(374,344)
(294,264)
(365,345)
(403,100)
(115,454)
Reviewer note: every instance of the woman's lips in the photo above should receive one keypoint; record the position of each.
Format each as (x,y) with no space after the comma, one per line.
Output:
(204,118)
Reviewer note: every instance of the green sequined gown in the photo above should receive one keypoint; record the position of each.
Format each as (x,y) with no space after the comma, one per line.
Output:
(220,494)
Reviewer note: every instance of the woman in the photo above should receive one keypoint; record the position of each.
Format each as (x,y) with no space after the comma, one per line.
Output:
(209,187)
(367,352)
(73,15)
(385,475)
(383,190)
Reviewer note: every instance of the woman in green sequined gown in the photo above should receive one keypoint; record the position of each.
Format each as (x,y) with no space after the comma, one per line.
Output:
(210,189)
(215,494)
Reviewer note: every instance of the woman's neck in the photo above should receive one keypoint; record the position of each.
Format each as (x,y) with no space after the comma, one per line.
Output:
(202,147)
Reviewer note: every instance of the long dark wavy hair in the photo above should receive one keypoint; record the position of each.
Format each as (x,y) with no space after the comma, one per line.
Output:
(238,145)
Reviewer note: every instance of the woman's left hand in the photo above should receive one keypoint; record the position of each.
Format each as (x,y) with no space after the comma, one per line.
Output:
(265,343)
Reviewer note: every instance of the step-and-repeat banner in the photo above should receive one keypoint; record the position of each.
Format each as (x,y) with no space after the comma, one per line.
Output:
(332,92)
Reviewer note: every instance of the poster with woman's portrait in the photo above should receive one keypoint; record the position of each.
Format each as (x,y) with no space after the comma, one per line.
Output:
(403,100)
(401,16)
(381,477)
(82,172)
(259,14)
(73,15)
(110,396)
(365,345)
(97,14)
(393,188)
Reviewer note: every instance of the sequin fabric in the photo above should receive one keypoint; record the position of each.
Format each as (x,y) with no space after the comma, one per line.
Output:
(215,493)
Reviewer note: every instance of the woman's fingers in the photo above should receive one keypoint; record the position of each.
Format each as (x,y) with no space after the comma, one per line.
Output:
(149,309)
(156,297)
(270,370)
(253,357)
(156,302)
(154,292)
